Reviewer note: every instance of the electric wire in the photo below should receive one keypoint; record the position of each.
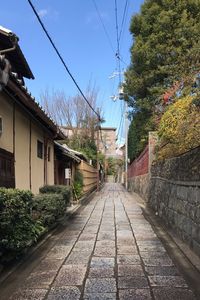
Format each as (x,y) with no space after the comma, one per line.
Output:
(104,27)
(62,60)
(117,37)
(123,19)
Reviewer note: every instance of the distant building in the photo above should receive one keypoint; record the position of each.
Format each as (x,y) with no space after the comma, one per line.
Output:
(107,139)
(107,143)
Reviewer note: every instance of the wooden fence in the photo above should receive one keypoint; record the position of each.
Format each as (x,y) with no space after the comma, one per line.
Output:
(89,176)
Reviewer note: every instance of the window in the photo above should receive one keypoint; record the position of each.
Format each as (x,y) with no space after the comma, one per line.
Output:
(1,125)
(7,177)
(49,153)
(39,149)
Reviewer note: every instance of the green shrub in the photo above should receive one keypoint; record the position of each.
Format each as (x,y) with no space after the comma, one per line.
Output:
(78,184)
(47,208)
(64,190)
(17,228)
(179,128)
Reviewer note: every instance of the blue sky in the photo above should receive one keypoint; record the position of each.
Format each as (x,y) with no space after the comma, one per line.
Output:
(77,32)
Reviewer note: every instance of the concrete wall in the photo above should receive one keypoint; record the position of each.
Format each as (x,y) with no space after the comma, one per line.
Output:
(20,135)
(175,194)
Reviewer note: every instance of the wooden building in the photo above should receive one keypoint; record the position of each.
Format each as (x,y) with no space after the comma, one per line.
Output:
(27,134)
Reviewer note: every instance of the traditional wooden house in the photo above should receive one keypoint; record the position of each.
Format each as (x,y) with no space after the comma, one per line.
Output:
(27,133)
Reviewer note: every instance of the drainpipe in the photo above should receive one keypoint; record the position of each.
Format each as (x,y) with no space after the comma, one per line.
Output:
(8,50)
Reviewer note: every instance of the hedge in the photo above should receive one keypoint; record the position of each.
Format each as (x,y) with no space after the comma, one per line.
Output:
(47,208)
(65,191)
(17,228)
(24,217)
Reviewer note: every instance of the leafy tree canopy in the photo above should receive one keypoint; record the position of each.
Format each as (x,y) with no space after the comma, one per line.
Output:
(166,44)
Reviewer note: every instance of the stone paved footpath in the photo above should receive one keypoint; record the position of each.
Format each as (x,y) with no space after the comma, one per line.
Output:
(108,251)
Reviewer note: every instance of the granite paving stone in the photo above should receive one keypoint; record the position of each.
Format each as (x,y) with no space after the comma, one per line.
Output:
(98,262)
(151,248)
(105,235)
(59,252)
(87,237)
(78,258)
(48,264)
(40,279)
(166,293)
(29,294)
(125,241)
(101,272)
(100,296)
(130,270)
(126,249)
(162,270)
(84,245)
(106,244)
(174,281)
(164,261)
(104,251)
(129,282)
(100,285)
(70,275)
(64,293)
(128,259)
(137,294)
(154,254)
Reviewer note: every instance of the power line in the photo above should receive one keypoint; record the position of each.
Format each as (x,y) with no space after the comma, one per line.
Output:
(123,18)
(104,27)
(62,60)
(117,35)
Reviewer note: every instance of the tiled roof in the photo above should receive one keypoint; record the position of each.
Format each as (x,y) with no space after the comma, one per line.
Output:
(17,60)
(68,152)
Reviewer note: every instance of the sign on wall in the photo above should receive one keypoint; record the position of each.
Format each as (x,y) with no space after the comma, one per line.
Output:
(68,173)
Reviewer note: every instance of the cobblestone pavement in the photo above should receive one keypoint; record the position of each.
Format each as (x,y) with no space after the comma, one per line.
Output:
(109,251)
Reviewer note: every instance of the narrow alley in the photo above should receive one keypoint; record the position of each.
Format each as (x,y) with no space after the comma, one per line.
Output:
(108,250)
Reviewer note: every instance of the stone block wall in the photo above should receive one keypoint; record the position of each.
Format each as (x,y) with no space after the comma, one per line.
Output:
(174,193)
(140,185)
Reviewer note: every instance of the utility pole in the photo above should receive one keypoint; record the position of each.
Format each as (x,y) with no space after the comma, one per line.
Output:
(98,157)
(126,145)
(120,96)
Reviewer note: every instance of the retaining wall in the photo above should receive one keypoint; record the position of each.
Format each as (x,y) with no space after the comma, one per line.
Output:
(174,193)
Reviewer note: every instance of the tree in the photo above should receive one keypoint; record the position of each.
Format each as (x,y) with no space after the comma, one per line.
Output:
(75,114)
(165,50)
